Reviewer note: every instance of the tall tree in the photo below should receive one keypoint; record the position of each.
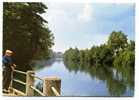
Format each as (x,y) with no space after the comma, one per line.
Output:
(117,41)
(25,31)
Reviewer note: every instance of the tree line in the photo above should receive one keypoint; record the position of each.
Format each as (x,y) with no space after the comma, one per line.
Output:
(118,51)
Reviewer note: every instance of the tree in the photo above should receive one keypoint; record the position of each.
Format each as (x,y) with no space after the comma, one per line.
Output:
(126,58)
(72,55)
(117,41)
(106,56)
(117,52)
(131,45)
(25,31)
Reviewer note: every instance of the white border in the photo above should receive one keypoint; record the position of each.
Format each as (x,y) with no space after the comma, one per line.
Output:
(136,93)
(137,50)
(75,1)
(1,20)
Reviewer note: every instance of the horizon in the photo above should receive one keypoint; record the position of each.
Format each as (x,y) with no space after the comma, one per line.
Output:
(88,24)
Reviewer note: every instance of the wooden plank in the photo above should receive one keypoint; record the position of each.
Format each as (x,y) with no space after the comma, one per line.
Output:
(52,81)
(38,91)
(37,77)
(14,92)
(18,93)
(29,82)
(18,71)
(55,91)
(9,94)
(19,81)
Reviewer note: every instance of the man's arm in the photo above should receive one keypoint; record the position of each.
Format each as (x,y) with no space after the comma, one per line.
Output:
(13,66)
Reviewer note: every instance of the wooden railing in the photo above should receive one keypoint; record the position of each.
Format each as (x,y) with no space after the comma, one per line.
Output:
(51,85)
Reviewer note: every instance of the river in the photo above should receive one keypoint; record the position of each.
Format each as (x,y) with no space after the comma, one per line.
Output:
(88,82)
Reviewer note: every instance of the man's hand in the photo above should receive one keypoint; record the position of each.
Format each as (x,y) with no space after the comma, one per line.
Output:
(14,65)
(13,68)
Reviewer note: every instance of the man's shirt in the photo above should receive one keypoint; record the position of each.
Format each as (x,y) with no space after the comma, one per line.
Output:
(7,61)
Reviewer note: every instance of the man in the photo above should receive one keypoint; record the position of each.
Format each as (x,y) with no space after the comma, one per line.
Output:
(8,67)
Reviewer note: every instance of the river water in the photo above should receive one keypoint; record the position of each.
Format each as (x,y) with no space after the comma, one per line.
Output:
(85,82)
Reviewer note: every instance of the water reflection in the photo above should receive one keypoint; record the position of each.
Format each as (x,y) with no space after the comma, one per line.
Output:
(39,64)
(117,83)
(118,80)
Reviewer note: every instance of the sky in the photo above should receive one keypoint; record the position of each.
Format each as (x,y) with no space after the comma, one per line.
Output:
(83,25)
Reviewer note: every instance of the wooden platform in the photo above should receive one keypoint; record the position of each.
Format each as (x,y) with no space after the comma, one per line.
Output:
(51,85)
(9,94)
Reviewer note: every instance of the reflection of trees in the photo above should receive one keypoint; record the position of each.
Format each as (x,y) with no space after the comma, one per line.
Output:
(72,66)
(116,87)
(39,64)
(115,84)
(128,75)
(39,85)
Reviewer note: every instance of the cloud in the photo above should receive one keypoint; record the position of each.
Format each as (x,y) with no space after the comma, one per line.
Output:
(86,14)
(86,24)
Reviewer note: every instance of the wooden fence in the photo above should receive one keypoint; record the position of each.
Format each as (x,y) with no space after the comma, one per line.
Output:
(51,85)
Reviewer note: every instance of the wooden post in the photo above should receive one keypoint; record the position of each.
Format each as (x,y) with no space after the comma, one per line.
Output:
(29,82)
(49,82)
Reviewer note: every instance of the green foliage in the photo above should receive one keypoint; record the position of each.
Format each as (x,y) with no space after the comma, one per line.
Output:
(124,59)
(95,56)
(124,62)
(72,54)
(131,46)
(117,41)
(117,52)
(25,31)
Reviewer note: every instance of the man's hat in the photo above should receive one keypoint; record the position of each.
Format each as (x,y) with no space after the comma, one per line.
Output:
(9,51)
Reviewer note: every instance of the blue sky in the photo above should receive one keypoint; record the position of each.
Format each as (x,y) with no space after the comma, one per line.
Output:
(83,25)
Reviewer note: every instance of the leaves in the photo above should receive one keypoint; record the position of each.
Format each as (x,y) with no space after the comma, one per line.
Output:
(117,52)
(25,31)
(117,41)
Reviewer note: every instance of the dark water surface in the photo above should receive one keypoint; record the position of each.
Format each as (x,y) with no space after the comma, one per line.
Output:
(77,81)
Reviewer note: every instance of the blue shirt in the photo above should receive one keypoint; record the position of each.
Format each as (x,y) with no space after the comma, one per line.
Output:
(7,61)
